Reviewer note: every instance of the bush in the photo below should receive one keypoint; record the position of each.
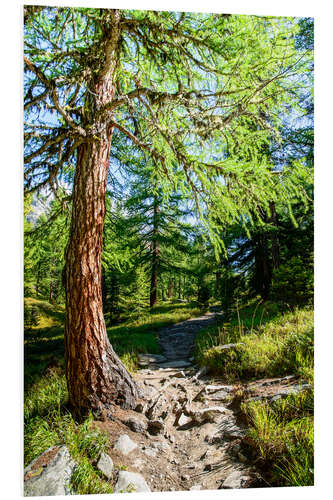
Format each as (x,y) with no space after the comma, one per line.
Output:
(293,282)
(31,316)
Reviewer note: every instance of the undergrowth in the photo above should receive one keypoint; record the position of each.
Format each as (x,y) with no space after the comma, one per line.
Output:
(48,423)
(282,435)
(280,345)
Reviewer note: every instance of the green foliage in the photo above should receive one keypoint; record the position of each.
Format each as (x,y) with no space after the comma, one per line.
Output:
(282,434)
(293,282)
(281,346)
(31,316)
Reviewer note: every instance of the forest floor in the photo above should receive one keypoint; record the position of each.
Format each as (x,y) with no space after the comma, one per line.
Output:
(188,427)
(189,430)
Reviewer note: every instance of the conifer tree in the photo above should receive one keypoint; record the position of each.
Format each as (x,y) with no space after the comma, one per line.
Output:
(183,87)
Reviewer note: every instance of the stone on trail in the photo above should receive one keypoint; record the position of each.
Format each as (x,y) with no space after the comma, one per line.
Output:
(196,487)
(178,363)
(105,465)
(124,444)
(207,414)
(184,420)
(146,359)
(136,424)
(52,479)
(236,479)
(130,481)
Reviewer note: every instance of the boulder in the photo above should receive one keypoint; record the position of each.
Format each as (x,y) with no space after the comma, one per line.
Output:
(124,444)
(105,465)
(51,479)
(130,481)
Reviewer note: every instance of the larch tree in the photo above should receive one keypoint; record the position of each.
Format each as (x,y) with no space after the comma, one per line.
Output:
(184,88)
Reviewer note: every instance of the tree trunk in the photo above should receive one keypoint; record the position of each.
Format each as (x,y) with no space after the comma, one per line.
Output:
(275,243)
(96,377)
(262,270)
(155,256)
(170,288)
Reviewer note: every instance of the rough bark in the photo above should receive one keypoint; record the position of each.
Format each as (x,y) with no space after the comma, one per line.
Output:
(96,377)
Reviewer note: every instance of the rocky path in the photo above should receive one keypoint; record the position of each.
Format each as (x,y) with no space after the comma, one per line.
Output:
(177,341)
(193,437)
(186,432)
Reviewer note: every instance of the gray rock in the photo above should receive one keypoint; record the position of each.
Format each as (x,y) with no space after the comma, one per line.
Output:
(236,479)
(146,359)
(130,481)
(124,444)
(105,465)
(180,374)
(196,487)
(201,373)
(230,430)
(207,414)
(150,452)
(228,346)
(136,424)
(293,389)
(213,392)
(161,446)
(179,363)
(52,480)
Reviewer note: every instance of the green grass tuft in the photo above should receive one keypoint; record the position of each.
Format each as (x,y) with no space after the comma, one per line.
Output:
(282,434)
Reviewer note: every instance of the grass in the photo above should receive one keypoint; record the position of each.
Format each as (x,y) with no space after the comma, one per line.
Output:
(282,435)
(47,421)
(268,343)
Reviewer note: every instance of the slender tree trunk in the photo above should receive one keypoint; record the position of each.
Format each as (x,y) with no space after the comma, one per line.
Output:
(155,256)
(38,279)
(170,288)
(263,274)
(96,377)
(275,243)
